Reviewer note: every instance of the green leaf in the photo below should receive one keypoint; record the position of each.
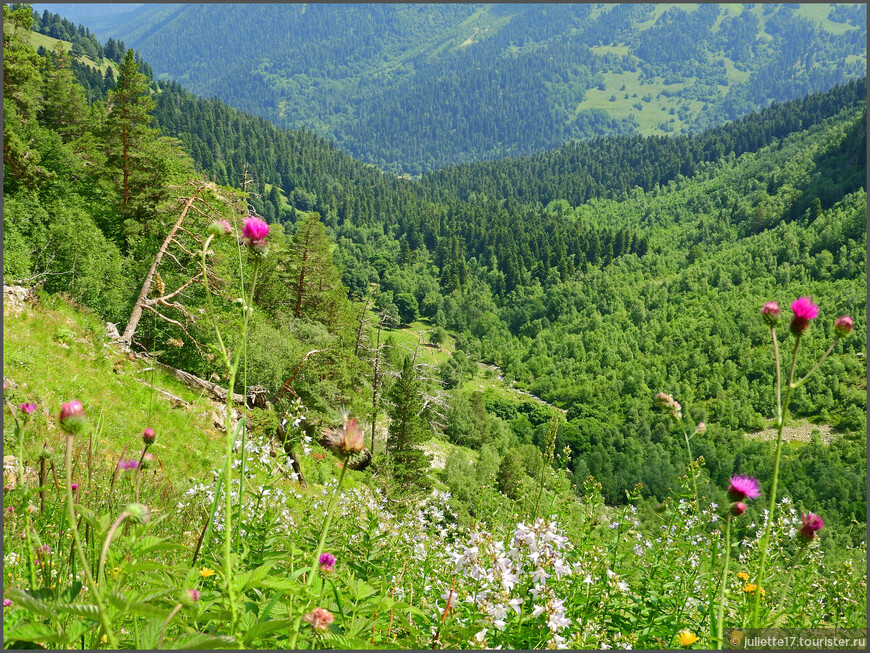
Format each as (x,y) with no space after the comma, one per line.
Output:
(29,632)
(200,641)
(28,602)
(264,628)
(83,610)
(150,634)
(253,578)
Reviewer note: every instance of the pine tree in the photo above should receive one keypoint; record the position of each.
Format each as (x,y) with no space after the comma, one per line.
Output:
(313,280)
(128,122)
(408,463)
(64,105)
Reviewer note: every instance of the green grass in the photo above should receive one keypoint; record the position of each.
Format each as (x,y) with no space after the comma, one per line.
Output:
(652,114)
(50,368)
(818,13)
(36,39)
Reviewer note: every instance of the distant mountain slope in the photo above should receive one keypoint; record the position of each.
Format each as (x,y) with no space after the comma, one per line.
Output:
(415,87)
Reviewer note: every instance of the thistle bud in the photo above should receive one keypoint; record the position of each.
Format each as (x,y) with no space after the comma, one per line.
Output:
(843,326)
(189,597)
(46,453)
(72,417)
(701,428)
(770,313)
(148,436)
(738,508)
(139,513)
(147,461)
(220,228)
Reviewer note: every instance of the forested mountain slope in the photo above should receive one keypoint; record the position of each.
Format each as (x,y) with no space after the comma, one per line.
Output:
(411,88)
(594,305)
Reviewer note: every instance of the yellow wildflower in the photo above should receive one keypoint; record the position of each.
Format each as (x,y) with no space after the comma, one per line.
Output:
(687,638)
(105,639)
(743,575)
(750,588)
(205,572)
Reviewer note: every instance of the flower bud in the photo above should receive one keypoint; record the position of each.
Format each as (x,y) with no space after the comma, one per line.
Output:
(770,313)
(148,436)
(738,508)
(220,228)
(843,326)
(72,417)
(147,461)
(701,429)
(189,597)
(139,513)
(46,453)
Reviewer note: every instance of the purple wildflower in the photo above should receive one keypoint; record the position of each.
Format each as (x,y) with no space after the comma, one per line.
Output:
(327,562)
(804,310)
(743,487)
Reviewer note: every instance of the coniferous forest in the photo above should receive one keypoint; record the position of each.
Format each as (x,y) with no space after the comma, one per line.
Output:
(609,391)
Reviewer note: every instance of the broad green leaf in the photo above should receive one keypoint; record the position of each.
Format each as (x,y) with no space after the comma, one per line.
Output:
(29,632)
(264,628)
(28,602)
(201,641)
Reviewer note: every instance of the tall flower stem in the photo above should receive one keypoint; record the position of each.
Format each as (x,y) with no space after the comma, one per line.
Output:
(720,616)
(780,418)
(101,606)
(101,570)
(315,562)
(25,503)
(233,366)
(692,469)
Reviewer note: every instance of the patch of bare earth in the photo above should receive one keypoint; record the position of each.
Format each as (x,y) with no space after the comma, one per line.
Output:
(797,433)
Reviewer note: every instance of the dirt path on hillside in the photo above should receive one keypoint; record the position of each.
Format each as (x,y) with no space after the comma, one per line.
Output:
(796,433)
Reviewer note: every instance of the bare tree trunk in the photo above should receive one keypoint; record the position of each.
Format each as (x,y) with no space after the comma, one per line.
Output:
(375,382)
(136,315)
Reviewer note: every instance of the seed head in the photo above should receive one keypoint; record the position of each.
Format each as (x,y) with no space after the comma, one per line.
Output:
(345,441)
(319,619)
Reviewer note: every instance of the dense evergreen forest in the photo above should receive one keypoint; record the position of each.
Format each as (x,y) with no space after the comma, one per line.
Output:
(594,275)
(411,88)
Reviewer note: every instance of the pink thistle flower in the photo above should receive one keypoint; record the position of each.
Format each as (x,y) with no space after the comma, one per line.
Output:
(7,603)
(804,310)
(843,326)
(770,313)
(812,523)
(738,508)
(148,436)
(27,408)
(255,233)
(319,619)
(72,417)
(327,562)
(194,595)
(743,487)
(75,487)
